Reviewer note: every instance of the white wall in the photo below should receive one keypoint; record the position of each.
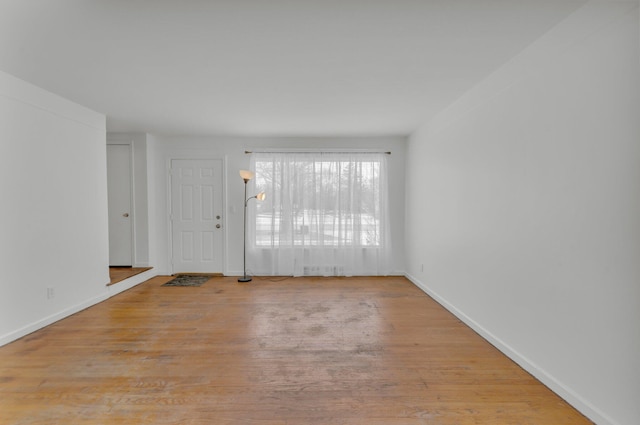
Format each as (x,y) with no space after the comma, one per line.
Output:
(53,214)
(525,210)
(231,149)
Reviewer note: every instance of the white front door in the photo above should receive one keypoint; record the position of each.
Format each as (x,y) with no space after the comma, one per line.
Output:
(119,196)
(196,215)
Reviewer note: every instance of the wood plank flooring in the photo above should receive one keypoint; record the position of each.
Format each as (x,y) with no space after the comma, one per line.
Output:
(118,274)
(373,351)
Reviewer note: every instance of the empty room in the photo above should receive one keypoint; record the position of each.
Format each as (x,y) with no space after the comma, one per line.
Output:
(320,212)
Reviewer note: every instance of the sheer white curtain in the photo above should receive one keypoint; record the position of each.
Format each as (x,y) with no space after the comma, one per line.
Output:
(326,214)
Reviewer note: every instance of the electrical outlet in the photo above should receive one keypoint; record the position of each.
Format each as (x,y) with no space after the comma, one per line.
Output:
(50,293)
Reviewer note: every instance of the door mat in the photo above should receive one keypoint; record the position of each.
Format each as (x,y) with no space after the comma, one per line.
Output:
(187,280)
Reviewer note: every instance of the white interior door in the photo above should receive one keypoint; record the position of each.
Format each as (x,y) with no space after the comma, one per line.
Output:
(196,216)
(119,195)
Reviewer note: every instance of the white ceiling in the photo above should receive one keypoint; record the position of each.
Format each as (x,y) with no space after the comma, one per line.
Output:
(267,67)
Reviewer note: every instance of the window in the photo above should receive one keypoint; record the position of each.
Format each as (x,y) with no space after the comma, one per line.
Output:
(322,208)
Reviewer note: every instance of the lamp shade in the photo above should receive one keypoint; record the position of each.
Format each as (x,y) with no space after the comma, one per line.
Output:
(261,196)
(246,174)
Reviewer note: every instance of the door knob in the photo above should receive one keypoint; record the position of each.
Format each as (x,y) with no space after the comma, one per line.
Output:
(217,226)
(125,215)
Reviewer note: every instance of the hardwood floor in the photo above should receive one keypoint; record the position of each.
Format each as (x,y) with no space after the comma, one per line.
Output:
(373,351)
(118,274)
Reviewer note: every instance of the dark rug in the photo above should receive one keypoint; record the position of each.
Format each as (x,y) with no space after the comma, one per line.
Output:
(187,280)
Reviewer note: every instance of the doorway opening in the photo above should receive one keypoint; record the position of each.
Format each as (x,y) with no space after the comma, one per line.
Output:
(119,190)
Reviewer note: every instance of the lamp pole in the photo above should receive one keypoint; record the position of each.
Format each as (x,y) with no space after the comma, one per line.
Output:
(245,278)
(246,176)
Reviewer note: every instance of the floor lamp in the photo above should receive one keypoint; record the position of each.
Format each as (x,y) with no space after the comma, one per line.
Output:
(246,176)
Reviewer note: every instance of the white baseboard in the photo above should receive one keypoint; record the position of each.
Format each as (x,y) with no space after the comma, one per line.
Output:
(108,293)
(46,321)
(570,396)
(130,282)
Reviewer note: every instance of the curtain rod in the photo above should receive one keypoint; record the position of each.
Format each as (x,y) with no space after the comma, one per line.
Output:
(317,151)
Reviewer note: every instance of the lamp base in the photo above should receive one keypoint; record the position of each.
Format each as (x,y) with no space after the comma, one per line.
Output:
(245,279)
